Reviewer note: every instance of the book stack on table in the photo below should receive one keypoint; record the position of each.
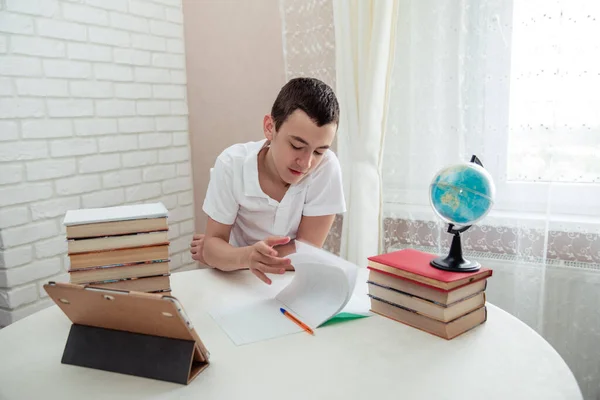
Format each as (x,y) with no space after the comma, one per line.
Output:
(404,286)
(123,247)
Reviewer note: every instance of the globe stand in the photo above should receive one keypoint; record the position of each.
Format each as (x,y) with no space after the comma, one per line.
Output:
(454,261)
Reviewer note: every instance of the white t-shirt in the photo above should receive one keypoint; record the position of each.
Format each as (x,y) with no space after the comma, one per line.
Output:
(234,196)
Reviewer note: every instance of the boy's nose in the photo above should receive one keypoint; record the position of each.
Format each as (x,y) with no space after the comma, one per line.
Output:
(304,162)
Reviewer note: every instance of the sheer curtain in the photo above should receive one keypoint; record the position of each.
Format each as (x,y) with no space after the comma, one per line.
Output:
(364,31)
(516,83)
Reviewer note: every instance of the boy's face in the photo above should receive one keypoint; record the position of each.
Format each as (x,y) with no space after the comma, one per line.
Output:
(299,145)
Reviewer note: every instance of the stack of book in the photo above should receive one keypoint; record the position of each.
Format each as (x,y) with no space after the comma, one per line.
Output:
(404,286)
(122,248)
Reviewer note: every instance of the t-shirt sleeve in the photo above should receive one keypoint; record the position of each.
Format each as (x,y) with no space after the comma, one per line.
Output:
(325,195)
(220,203)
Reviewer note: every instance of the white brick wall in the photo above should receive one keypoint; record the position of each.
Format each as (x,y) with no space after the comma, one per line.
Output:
(93,113)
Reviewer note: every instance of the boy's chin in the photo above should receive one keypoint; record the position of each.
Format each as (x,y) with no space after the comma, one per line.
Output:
(292,179)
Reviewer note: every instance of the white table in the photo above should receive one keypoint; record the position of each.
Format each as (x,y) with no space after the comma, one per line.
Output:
(368,358)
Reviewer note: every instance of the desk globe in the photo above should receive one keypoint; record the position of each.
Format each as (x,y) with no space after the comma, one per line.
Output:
(461,195)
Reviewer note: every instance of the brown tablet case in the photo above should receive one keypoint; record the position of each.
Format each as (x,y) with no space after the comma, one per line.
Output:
(134,333)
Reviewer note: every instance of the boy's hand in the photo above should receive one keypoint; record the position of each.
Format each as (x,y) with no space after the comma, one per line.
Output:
(262,258)
(196,248)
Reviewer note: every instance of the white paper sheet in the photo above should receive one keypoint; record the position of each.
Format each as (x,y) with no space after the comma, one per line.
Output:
(317,292)
(360,303)
(322,286)
(254,322)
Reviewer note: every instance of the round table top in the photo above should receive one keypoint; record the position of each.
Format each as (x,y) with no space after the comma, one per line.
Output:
(370,357)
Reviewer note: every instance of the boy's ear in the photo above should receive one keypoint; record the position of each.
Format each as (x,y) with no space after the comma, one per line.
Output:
(269,127)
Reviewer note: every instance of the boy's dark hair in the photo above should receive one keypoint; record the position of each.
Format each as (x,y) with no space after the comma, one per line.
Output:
(310,95)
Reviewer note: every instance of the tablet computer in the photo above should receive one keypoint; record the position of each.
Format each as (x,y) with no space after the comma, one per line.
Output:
(136,333)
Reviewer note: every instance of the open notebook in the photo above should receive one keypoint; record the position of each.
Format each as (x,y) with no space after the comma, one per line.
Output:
(325,289)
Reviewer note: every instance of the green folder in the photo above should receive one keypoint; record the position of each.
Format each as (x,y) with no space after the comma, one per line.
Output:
(343,317)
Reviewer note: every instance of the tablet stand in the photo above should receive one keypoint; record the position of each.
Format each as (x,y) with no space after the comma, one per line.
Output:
(147,356)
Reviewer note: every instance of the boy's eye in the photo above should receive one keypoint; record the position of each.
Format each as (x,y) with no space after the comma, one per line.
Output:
(317,153)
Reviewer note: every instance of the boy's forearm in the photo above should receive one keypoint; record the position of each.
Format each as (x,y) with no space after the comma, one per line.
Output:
(222,255)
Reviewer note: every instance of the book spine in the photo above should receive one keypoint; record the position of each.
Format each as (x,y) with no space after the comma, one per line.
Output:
(125,279)
(439,289)
(423,298)
(75,239)
(119,265)
(140,246)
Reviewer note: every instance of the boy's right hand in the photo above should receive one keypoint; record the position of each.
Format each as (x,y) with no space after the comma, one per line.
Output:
(262,258)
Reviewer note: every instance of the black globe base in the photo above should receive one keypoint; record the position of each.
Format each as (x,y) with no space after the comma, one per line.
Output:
(454,261)
(450,264)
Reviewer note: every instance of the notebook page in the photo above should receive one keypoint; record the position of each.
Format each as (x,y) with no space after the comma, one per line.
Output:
(317,291)
(350,270)
(321,287)
(250,317)
(260,320)
(359,303)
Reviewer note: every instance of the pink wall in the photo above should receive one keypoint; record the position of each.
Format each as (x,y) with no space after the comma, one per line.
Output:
(235,68)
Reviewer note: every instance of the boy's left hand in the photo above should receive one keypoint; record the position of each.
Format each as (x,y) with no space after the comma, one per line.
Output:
(196,248)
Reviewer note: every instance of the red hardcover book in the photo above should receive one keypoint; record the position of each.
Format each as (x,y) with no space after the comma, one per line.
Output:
(415,265)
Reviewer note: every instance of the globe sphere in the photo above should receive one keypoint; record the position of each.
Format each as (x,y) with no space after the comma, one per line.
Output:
(462,194)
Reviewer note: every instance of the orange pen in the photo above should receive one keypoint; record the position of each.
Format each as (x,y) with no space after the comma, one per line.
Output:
(297,321)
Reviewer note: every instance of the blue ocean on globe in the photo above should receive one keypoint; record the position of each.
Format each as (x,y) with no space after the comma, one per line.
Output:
(462,194)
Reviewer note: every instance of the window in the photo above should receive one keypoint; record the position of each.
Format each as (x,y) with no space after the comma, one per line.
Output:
(517,85)
(549,160)
(554,119)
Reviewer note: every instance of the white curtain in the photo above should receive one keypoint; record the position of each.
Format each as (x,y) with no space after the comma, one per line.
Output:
(364,36)
(516,83)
